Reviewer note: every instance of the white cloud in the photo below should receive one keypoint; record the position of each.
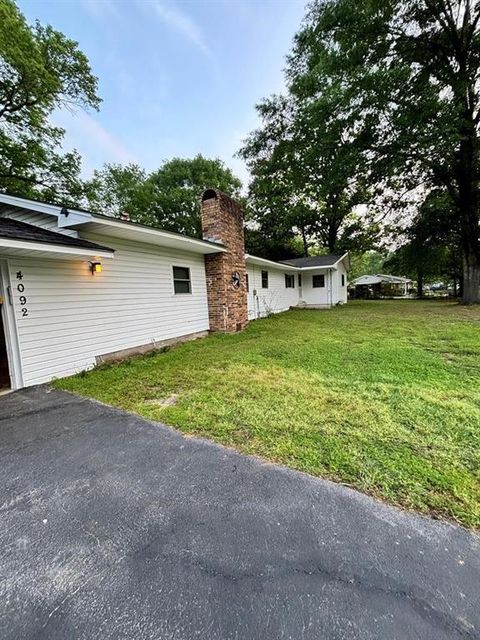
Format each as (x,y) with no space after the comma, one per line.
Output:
(94,142)
(183,24)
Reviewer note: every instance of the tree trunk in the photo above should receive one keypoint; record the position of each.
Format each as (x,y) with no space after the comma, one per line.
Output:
(467,171)
(471,278)
(332,238)
(469,208)
(419,283)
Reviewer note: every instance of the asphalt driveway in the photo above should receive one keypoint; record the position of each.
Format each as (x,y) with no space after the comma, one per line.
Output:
(113,527)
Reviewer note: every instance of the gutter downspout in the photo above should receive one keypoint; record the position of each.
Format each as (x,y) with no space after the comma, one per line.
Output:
(331,288)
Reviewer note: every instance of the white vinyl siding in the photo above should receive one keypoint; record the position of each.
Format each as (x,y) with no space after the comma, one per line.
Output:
(275,299)
(74,316)
(340,293)
(317,296)
(329,295)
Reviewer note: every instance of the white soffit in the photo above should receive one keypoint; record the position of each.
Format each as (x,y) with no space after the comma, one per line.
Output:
(137,233)
(11,247)
(263,262)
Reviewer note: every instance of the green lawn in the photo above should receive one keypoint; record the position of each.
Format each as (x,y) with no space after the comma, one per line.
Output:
(382,396)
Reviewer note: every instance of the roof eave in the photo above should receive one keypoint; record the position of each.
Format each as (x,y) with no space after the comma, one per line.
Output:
(264,262)
(79,220)
(47,247)
(155,236)
(332,265)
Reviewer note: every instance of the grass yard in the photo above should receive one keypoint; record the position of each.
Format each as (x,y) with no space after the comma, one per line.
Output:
(382,396)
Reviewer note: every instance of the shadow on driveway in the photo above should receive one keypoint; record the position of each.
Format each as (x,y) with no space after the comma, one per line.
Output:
(113,527)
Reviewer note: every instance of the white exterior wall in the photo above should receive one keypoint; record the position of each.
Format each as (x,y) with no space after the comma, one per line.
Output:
(339,292)
(318,296)
(276,298)
(327,296)
(74,316)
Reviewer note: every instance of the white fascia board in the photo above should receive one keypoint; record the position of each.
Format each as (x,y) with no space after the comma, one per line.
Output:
(156,236)
(73,218)
(288,267)
(45,247)
(74,215)
(392,279)
(263,262)
(324,267)
(346,256)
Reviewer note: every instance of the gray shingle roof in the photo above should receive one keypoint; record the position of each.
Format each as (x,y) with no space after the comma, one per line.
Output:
(16,230)
(315,261)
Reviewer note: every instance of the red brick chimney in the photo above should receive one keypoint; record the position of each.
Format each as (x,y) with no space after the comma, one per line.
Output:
(222,221)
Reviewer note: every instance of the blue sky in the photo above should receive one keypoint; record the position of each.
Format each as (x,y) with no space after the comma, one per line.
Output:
(177,78)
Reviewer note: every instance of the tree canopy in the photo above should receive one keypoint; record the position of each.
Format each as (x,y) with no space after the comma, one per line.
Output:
(40,70)
(116,189)
(169,197)
(309,164)
(382,103)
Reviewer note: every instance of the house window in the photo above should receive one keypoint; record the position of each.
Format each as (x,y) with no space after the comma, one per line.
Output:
(264,279)
(289,281)
(247,283)
(299,280)
(318,281)
(181,280)
(343,279)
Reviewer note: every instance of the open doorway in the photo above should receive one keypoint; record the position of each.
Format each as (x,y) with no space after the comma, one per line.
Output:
(4,370)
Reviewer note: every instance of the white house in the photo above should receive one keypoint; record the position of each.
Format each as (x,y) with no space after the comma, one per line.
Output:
(78,288)
(317,282)
(378,283)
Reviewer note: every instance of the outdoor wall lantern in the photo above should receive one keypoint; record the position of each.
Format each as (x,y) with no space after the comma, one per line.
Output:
(95,267)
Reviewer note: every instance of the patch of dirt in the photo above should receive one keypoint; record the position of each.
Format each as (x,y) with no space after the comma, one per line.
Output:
(169,401)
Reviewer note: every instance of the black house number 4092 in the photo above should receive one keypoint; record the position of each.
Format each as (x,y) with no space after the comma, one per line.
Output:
(22,298)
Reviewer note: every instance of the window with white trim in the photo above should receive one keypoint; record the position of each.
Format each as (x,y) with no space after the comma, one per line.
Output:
(181,280)
(289,281)
(318,281)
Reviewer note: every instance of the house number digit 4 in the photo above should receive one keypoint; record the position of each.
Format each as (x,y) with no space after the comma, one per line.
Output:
(22,297)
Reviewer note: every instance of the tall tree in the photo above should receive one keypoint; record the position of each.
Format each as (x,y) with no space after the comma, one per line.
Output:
(169,197)
(414,66)
(40,70)
(176,188)
(116,189)
(309,166)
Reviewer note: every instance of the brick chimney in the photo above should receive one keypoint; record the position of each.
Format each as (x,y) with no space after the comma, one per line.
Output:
(222,221)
